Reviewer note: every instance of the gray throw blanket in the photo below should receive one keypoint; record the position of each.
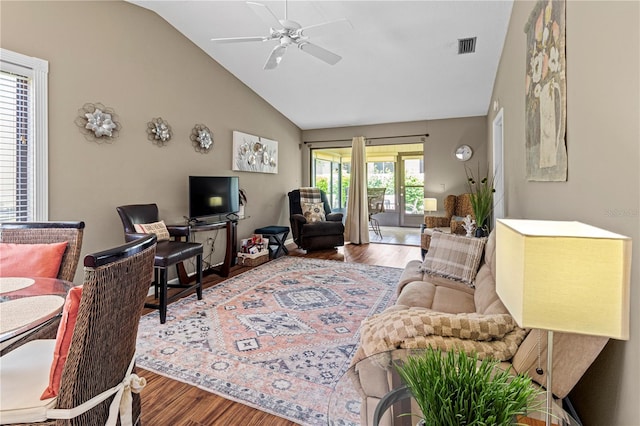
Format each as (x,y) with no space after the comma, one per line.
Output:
(310,195)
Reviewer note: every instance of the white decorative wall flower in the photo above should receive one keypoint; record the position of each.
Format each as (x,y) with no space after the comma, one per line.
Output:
(159,131)
(100,123)
(201,138)
(204,137)
(162,132)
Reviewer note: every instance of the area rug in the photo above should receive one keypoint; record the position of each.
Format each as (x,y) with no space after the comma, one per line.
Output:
(277,338)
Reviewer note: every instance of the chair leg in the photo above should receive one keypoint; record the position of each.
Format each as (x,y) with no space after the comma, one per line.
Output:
(163,295)
(375,226)
(156,281)
(199,276)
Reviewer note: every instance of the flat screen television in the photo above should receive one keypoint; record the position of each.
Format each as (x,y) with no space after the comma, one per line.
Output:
(213,196)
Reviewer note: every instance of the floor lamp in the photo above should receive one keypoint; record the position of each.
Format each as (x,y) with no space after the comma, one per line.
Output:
(566,277)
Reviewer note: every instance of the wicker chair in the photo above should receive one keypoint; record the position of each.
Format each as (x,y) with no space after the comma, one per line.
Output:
(456,207)
(46,233)
(103,343)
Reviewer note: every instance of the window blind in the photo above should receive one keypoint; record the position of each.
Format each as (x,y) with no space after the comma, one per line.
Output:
(15,140)
(24,164)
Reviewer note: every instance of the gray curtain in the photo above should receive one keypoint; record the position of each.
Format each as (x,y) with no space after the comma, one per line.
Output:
(357,221)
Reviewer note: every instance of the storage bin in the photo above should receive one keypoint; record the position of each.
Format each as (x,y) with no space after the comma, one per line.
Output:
(247,259)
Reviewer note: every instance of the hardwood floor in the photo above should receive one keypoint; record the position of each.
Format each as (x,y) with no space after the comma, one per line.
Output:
(166,402)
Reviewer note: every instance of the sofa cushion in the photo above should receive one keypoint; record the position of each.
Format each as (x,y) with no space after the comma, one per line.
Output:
(412,272)
(454,257)
(319,229)
(24,372)
(450,297)
(63,341)
(486,299)
(572,356)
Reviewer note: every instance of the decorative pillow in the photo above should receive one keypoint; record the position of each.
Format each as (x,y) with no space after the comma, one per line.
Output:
(454,257)
(158,228)
(313,212)
(31,260)
(63,341)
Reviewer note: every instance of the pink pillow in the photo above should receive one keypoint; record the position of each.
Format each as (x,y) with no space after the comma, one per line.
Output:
(63,341)
(31,260)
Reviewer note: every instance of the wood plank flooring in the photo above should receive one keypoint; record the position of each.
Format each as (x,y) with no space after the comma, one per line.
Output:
(167,402)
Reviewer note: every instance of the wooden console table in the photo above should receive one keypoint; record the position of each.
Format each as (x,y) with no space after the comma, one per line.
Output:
(230,225)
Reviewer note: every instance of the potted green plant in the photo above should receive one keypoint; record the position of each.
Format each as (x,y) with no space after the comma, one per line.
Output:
(481,196)
(457,389)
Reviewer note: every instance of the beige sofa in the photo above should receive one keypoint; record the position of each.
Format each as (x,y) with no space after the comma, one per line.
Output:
(447,314)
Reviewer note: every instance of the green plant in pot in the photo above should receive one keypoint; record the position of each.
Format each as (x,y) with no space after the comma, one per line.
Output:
(481,196)
(457,389)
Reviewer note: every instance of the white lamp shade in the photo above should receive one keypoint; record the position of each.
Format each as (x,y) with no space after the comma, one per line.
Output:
(564,276)
(430,204)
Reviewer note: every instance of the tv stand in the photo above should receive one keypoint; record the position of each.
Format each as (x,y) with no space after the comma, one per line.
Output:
(230,224)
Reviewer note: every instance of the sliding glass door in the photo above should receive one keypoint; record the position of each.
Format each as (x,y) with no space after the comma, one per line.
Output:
(411,189)
(398,168)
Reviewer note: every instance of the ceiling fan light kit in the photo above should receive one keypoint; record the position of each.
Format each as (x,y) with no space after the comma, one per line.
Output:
(288,33)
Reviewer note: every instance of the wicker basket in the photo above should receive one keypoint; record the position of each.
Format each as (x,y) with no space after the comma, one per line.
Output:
(247,259)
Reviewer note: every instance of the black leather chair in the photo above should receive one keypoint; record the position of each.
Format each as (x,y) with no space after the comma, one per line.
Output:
(168,253)
(315,235)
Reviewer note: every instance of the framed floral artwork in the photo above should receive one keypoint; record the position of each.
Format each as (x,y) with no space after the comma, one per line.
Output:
(546,92)
(254,154)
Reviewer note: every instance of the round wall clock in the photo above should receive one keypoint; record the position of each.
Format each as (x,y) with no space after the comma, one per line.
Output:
(464,152)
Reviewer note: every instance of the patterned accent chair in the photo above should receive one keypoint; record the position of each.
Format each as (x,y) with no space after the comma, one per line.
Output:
(456,207)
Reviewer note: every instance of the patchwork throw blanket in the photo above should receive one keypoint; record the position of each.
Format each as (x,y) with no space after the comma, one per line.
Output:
(310,195)
(495,336)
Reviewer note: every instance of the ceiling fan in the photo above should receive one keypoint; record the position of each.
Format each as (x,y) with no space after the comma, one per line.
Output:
(289,33)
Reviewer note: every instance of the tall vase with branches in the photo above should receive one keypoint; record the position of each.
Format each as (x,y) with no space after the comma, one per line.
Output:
(481,191)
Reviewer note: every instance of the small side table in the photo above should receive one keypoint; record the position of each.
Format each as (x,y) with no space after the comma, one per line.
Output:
(277,236)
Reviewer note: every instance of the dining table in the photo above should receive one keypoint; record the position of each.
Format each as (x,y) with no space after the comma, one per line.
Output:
(26,303)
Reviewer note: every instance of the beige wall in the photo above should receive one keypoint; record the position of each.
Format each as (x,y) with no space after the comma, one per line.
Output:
(444,174)
(131,60)
(603,187)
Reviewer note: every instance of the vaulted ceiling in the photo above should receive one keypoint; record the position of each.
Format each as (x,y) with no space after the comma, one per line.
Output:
(399,63)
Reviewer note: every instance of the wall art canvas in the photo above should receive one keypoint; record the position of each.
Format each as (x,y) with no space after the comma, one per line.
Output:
(254,154)
(546,92)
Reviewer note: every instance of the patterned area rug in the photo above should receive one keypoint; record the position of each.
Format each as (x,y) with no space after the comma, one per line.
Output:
(277,338)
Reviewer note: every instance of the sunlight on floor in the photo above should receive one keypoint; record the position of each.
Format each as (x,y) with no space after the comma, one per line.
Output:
(397,235)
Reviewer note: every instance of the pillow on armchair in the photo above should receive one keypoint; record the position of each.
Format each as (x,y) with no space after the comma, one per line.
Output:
(313,212)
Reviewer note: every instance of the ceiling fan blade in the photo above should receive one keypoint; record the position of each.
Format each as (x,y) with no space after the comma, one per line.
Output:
(239,39)
(275,57)
(320,53)
(332,26)
(265,14)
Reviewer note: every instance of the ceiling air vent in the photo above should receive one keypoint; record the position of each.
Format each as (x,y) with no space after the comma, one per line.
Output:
(466,45)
